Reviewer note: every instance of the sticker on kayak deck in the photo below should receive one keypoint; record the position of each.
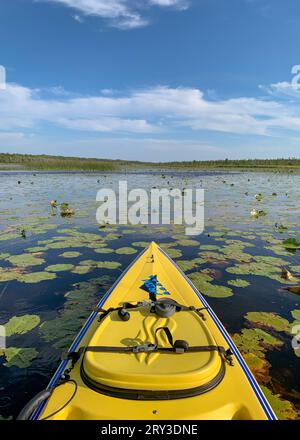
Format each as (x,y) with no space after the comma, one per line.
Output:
(154,287)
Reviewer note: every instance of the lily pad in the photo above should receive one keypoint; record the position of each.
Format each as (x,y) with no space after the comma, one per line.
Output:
(25,260)
(283,409)
(291,244)
(259,366)
(126,251)
(256,341)
(202,283)
(238,283)
(142,244)
(70,254)
(268,320)
(190,264)
(79,301)
(104,250)
(19,357)
(59,267)
(36,277)
(19,325)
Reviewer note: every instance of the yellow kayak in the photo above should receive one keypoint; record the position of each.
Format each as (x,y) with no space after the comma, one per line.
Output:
(153,349)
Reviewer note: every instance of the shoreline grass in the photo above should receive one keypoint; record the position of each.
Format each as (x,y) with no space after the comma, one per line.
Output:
(61,163)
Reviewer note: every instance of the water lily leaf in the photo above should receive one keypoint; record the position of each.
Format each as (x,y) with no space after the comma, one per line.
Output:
(100,264)
(19,357)
(104,250)
(209,247)
(19,325)
(25,260)
(126,251)
(295,269)
(190,264)
(36,277)
(61,330)
(283,409)
(4,256)
(141,244)
(256,341)
(291,243)
(269,320)
(173,253)
(238,283)
(260,367)
(59,267)
(70,254)
(202,283)
(296,315)
(185,242)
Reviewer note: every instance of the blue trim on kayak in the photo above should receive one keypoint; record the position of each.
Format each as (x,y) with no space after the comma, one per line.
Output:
(254,385)
(80,336)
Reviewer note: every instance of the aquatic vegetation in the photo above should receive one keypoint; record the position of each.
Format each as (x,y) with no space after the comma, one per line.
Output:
(185,242)
(19,357)
(186,265)
(202,283)
(19,325)
(209,247)
(173,253)
(25,260)
(65,210)
(258,269)
(268,320)
(238,283)
(280,228)
(260,367)
(258,213)
(59,267)
(142,244)
(212,257)
(126,251)
(61,330)
(104,250)
(3,256)
(70,254)
(92,265)
(283,409)
(36,277)
(291,244)
(256,341)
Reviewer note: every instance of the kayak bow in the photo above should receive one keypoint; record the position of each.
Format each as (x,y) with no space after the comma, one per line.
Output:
(153,349)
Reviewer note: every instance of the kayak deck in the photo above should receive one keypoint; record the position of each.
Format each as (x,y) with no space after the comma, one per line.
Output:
(191,385)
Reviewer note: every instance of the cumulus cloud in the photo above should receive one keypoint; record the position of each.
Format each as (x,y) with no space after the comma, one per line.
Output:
(124,14)
(154,110)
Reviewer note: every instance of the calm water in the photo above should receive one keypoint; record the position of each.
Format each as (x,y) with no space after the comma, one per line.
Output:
(57,290)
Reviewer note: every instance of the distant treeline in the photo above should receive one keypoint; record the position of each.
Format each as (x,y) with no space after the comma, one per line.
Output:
(244,163)
(47,162)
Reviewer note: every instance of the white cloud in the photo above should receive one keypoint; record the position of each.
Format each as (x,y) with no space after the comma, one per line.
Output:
(124,14)
(158,109)
(181,4)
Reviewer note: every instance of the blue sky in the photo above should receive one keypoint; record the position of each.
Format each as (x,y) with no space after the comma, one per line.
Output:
(150,79)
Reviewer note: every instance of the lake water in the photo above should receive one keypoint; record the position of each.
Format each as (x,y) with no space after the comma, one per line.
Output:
(54,269)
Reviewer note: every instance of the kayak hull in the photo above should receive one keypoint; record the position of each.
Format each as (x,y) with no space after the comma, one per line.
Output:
(155,386)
